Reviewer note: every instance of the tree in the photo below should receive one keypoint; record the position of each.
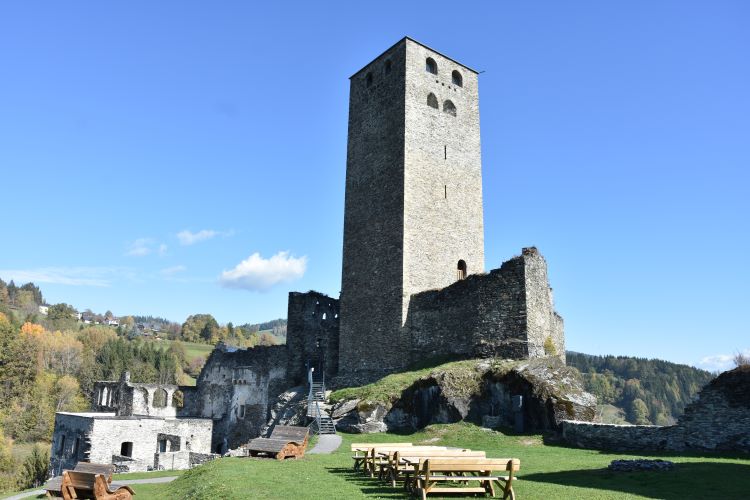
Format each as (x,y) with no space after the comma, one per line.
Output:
(35,468)
(639,412)
(200,328)
(61,311)
(742,359)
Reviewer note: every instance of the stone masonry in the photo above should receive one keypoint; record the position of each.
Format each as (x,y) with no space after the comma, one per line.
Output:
(413,208)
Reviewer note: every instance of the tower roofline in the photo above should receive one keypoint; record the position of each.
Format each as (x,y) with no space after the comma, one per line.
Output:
(419,43)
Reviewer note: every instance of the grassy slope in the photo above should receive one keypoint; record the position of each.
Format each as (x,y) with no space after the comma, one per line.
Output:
(547,472)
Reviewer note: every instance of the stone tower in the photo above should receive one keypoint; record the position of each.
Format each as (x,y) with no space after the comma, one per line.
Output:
(413,209)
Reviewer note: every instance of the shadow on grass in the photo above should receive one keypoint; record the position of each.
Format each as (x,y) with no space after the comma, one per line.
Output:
(368,485)
(686,480)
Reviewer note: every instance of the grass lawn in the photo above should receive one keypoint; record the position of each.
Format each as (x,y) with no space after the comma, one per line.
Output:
(547,472)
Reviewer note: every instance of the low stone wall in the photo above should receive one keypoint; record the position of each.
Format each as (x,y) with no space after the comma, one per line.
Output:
(615,437)
(718,421)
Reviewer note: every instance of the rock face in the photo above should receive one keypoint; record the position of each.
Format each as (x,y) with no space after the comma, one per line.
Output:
(551,393)
(719,420)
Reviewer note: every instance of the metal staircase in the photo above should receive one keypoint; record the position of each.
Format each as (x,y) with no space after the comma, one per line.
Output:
(322,423)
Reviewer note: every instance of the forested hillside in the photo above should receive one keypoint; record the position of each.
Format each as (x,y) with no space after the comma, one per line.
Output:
(649,391)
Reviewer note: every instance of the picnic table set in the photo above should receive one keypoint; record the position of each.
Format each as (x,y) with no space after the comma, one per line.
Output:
(429,470)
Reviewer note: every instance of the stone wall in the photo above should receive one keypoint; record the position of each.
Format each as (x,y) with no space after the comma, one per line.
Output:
(312,335)
(372,268)
(234,389)
(507,313)
(99,438)
(126,398)
(719,420)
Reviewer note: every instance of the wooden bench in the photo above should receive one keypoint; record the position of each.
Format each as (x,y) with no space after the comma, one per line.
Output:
(400,465)
(432,472)
(285,441)
(53,486)
(91,485)
(360,452)
(378,455)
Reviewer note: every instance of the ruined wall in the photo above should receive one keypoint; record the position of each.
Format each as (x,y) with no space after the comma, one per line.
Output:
(506,313)
(312,335)
(98,438)
(719,420)
(126,398)
(70,442)
(234,389)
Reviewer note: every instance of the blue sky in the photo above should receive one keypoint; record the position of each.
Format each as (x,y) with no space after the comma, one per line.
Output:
(156,156)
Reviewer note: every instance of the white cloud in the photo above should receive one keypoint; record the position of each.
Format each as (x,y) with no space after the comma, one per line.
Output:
(162,250)
(257,273)
(73,276)
(140,247)
(720,362)
(189,238)
(171,271)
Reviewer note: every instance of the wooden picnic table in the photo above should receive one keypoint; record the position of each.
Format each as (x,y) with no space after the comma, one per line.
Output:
(429,474)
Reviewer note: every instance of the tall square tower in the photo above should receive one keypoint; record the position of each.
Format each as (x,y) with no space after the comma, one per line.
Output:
(413,212)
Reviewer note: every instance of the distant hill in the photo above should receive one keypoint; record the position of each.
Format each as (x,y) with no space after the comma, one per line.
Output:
(648,391)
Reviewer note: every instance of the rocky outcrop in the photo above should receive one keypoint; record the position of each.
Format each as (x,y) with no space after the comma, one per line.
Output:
(551,392)
(288,408)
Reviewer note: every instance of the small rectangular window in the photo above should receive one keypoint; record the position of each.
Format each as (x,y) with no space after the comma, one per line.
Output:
(445,152)
(446,191)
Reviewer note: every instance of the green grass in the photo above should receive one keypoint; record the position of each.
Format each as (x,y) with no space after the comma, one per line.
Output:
(460,377)
(547,472)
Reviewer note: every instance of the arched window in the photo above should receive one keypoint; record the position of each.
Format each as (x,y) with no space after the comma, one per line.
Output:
(457,79)
(432,101)
(431,66)
(388,65)
(368,79)
(160,398)
(461,271)
(449,108)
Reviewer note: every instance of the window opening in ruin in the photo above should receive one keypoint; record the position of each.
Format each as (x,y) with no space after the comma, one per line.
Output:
(162,445)
(387,66)
(431,66)
(160,398)
(457,79)
(449,108)
(324,315)
(241,411)
(446,191)
(368,79)
(76,445)
(178,399)
(126,449)
(445,152)
(62,445)
(432,101)
(461,271)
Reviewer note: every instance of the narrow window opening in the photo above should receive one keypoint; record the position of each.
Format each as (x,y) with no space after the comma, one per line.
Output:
(387,66)
(162,445)
(446,191)
(432,101)
(431,66)
(445,152)
(61,449)
(126,449)
(457,79)
(449,108)
(325,315)
(368,79)
(76,445)
(461,271)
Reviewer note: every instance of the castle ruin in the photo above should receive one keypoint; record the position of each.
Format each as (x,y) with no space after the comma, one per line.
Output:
(414,286)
